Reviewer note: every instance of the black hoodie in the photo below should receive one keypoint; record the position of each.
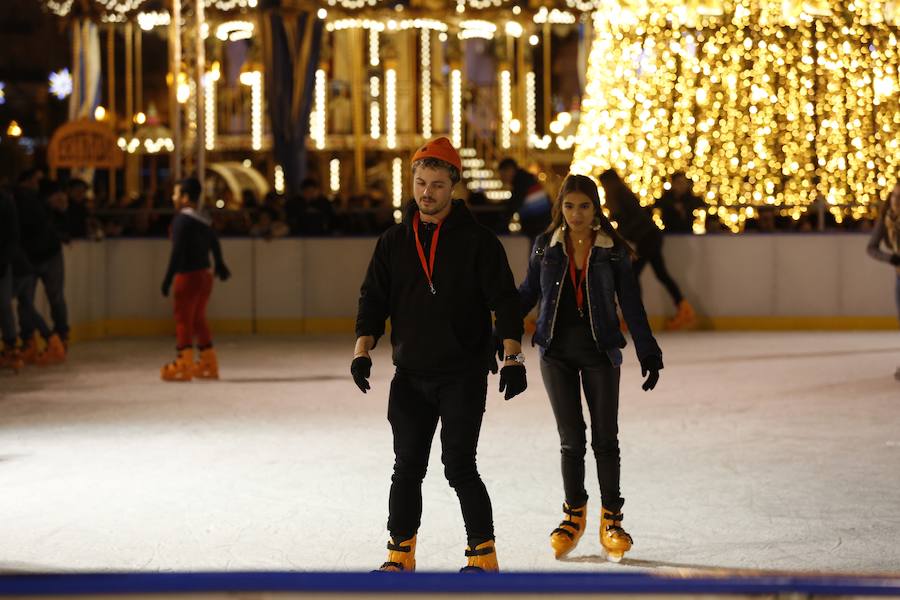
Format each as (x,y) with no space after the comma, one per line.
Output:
(9,231)
(449,331)
(38,237)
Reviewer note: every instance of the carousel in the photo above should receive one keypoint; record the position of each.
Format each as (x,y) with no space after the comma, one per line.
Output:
(762,103)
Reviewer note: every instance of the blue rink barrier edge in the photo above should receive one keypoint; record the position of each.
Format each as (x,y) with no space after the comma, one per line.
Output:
(335,582)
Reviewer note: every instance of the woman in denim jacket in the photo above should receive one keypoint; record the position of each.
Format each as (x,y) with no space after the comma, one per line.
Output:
(576,271)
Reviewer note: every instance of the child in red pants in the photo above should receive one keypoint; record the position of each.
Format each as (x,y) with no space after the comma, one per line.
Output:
(192,241)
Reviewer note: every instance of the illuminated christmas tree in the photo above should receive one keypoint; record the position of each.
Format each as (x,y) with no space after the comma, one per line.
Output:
(759,102)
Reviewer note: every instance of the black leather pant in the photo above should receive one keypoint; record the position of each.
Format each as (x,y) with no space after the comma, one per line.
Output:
(563,372)
(415,406)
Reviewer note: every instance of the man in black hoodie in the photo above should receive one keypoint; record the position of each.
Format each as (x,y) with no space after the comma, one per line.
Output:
(438,276)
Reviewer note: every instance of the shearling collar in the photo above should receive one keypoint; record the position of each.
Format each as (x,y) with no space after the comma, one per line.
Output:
(601,240)
(199,215)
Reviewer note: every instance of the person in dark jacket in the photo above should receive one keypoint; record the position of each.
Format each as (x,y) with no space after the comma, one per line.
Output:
(9,242)
(78,212)
(887,232)
(528,197)
(438,276)
(41,243)
(192,241)
(678,204)
(636,226)
(578,269)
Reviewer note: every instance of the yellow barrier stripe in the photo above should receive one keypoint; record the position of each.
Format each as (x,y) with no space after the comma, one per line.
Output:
(166,327)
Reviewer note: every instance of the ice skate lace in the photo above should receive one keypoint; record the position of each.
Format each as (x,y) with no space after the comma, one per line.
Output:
(568,522)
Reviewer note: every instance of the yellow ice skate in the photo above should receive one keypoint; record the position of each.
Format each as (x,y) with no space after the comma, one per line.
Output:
(564,538)
(685,318)
(482,558)
(12,360)
(615,540)
(207,366)
(401,556)
(180,369)
(53,354)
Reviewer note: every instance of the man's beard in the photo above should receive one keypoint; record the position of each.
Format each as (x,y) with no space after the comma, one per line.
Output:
(433,210)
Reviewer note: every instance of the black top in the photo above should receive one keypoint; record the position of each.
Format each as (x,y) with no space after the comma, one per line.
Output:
(572,331)
(9,231)
(76,219)
(38,236)
(192,241)
(449,331)
(678,211)
(625,208)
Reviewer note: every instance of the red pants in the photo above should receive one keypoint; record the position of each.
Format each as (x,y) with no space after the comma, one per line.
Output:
(191,292)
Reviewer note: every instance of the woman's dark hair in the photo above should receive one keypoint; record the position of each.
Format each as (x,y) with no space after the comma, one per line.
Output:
(585,185)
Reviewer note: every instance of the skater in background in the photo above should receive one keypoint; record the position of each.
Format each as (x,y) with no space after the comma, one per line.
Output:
(192,241)
(578,269)
(678,203)
(9,243)
(32,326)
(637,227)
(528,198)
(887,232)
(438,276)
(43,248)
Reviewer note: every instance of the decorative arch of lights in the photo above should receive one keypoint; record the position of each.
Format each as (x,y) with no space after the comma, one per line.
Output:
(117,11)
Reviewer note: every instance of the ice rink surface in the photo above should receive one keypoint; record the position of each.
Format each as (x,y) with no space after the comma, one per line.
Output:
(756,451)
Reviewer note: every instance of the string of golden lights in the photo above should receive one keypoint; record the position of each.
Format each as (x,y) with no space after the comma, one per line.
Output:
(759,106)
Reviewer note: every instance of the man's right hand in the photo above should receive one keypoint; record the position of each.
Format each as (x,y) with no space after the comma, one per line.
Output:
(361,369)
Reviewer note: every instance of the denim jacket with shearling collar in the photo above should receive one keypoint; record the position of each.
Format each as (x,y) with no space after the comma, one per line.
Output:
(609,279)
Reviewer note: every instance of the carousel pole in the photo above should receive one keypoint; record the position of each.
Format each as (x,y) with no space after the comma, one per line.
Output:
(521,104)
(111,67)
(129,75)
(201,93)
(174,70)
(356,91)
(139,69)
(130,159)
(139,97)
(547,37)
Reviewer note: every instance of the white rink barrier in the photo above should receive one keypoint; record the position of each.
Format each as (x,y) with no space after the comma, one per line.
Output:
(307,285)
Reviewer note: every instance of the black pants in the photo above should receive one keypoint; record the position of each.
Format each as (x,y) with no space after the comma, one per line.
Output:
(562,373)
(52,273)
(415,406)
(649,249)
(29,318)
(7,319)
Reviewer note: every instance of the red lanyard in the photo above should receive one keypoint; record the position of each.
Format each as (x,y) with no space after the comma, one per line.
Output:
(429,266)
(578,283)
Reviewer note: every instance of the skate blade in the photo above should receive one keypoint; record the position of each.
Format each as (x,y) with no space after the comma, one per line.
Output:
(615,557)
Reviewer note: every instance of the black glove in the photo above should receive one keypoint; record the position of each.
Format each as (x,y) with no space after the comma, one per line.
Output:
(650,368)
(513,380)
(895,260)
(361,369)
(496,353)
(165,288)
(222,272)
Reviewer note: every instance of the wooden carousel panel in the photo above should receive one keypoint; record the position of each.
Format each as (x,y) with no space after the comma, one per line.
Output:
(84,144)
